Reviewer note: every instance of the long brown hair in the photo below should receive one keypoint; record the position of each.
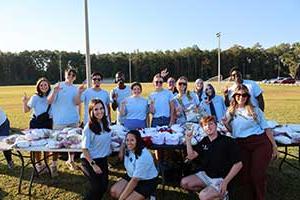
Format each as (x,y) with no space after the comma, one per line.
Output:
(248,105)
(94,125)
(37,86)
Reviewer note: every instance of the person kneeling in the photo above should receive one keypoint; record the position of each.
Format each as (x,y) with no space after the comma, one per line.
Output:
(141,178)
(219,160)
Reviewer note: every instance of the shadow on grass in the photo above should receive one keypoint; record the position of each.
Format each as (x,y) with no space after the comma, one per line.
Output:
(283,185)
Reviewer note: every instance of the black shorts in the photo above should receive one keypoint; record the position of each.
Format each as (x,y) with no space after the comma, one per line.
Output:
(144,187)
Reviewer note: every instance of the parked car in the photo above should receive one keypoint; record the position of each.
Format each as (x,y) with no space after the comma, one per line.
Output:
(287,80)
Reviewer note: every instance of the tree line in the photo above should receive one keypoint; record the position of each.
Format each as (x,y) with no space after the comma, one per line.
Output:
(255,63)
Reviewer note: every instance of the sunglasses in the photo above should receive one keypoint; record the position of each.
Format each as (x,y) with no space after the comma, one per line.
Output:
(96,79)
(241,95)
(235,74)
(182,83)
(71,74)
(158,82)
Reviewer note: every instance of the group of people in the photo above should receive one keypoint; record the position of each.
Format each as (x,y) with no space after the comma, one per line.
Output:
(219,157)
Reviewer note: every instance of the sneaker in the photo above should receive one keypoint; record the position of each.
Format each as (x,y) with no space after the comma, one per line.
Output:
(54,172)
(71,165)
(10,164)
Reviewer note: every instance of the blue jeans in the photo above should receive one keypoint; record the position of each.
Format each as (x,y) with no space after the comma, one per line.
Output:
(160,121)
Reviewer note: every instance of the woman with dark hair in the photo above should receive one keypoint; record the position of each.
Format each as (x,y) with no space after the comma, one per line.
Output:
(140,180)
(254,136)
(38,104)
(213,104)
(135,108)
(96,140)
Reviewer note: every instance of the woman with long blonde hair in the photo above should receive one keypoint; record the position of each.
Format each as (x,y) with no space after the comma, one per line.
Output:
(254,136)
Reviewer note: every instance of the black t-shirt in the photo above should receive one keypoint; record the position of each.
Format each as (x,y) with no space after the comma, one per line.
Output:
(217,157)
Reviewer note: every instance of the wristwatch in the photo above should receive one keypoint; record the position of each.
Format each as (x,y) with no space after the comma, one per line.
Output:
(93,162)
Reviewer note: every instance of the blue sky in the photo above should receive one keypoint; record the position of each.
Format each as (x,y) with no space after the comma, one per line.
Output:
(147,25)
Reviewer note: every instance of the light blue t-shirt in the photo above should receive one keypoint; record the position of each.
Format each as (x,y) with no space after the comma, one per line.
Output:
(97,145)
(203,96)
(90,94)
(64,109)
(162,100)
(219,105)
(142,168)
(121,95)
(253,88)
(2,116)
(38,105)
(244,125)
(136,108)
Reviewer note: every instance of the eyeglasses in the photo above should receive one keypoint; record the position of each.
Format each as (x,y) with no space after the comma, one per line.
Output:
(182,83)
(71,74)
(241,95)
(96,79)
(158,82)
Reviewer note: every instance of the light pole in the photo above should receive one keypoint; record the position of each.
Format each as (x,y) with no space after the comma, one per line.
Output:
(60,70)
(219,56)
(129,65)
(87,45)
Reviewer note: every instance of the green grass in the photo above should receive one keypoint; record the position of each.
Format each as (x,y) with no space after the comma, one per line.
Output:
(282,105)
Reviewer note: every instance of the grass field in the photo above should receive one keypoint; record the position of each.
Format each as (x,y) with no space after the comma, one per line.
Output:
(282,105)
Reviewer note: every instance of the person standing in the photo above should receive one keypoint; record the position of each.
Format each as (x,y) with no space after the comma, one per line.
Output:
(135,109)
(118,94)
(96,141)
(255,91)
(199,90)
(4,131)
(95,92)
(160,104)
(213,104)
(172,86)
(255,139)
(65,112)
(38,104)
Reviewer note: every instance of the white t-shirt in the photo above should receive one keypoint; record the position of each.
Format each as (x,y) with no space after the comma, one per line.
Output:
(142,168)
(38,105)
(253,88)
(219,105)
(244,125)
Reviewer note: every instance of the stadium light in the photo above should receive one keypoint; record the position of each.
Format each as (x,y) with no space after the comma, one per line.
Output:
(219,56)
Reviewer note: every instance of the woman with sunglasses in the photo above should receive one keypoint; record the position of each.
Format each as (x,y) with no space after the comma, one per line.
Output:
(95,92)
(38,104)
(96,140)
(140,180)
(135,108)
(184,100)
(252,133)
(65,112)
(161,105)
(213,104)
